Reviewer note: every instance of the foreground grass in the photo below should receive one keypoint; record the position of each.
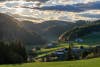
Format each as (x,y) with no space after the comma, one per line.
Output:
(81,63)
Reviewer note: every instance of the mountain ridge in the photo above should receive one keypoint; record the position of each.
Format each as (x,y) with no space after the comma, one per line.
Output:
(10,30)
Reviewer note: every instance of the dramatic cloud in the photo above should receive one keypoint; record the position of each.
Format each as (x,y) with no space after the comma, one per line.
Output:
(74,7)
(68,2)
(42,10)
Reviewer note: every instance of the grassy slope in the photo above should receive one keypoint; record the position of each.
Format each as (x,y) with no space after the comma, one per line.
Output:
(44,52)
(92,39)
(81,63)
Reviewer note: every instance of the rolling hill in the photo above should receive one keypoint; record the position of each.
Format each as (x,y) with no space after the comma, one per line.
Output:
(81,31)
(91,39)
(50,30)
(11,30)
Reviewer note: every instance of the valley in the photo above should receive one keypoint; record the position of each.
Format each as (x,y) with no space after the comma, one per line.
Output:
(49,33)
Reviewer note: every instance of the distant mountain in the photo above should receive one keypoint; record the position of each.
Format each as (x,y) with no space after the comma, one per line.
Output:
(10,30)
(53,29)
(50,30)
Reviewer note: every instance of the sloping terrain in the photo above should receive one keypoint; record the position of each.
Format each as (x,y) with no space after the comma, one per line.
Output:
(11,30)
(50,30)
(92,39)
(80,63)
(80,31)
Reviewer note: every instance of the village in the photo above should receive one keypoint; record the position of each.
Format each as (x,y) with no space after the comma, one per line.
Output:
(69,53)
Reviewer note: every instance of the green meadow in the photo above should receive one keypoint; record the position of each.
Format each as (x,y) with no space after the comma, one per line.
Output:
(79,63)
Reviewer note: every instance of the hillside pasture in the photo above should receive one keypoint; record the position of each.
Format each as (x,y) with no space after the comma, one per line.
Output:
(80,63)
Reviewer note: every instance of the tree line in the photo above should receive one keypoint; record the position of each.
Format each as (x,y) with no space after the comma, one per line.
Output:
(12,52)
(80,31)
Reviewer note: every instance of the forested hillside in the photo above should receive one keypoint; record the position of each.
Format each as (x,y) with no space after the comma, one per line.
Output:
(10,30)
(80,31)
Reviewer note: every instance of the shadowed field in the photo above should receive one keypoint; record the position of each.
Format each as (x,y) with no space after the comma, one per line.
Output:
(81,63)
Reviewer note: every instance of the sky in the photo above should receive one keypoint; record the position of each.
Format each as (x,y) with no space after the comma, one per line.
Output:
(65,10)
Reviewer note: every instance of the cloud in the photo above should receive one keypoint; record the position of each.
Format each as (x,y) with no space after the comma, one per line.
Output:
(66,2)
(74,7)
(61,8)
(90,14)
(67,10)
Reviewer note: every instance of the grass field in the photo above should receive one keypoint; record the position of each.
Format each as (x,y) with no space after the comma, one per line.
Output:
(89,40)
(80,63)
(92,39)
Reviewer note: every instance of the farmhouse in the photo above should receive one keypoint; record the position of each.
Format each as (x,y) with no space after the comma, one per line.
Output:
(79,40)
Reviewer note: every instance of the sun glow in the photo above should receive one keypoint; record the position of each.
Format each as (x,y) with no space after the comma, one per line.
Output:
(24,10)
(19,10)
(17,5)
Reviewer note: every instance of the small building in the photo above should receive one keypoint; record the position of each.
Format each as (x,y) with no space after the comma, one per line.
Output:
(79,40)
(51,45)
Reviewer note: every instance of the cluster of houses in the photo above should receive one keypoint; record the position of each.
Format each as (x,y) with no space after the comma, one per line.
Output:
(71,53)
(74,53)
